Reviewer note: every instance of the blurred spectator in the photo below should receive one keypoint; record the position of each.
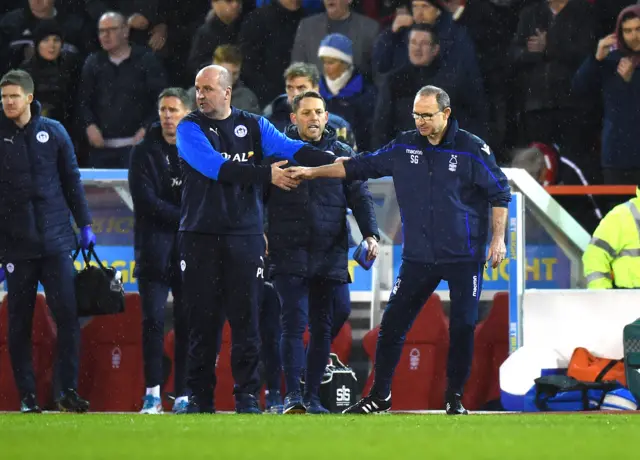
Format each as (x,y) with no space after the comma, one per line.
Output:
(393,112)
(55,72)
(221,27)
(267,39)
(553,38)
(612,72)
(299,78)
(607,12)
(230,57)
(142,17)
(345,91)
(309,6)
(338,19)
(456,47)
(548,167)
(118,91)
(487,27)
(181,18)
(9,5)
(16,31)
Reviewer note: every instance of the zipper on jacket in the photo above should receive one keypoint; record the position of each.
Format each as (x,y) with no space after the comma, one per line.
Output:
(466,222)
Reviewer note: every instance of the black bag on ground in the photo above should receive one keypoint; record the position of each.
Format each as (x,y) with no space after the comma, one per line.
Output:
(99,289)
(339,386)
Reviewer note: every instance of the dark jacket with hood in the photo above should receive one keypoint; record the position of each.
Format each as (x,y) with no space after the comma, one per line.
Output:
(40,189)
(155,180)
(621,100)
(308,233)
(355,103)
(278,114)
(544,79)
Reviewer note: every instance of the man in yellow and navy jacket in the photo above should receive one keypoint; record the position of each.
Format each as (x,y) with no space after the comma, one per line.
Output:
(612,258)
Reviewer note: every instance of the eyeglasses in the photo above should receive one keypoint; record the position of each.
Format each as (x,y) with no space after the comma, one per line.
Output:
(426,116)
(109,30)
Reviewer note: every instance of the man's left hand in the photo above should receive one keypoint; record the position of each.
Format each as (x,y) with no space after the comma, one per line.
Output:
(372,244)
(158,37)
(87,237)
(497,251)
(301,172)
(138,21)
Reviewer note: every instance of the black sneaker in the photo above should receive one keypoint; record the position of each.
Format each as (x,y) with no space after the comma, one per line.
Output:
(70,401)
(29,404)
(453,405)
(370,405)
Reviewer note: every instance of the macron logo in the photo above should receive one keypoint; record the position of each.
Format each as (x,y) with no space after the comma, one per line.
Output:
(414,152)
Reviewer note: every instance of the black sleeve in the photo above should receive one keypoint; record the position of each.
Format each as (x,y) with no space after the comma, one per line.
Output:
(69,172)
(145,198)
(234,172)
(311,156)
(360,201)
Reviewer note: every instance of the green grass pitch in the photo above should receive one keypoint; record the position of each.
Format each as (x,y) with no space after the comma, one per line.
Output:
(389,436)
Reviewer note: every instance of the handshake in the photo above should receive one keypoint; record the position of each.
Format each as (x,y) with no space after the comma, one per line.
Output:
(289,178)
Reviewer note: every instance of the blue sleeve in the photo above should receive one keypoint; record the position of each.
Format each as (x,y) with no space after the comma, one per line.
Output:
(197,151)
(69,172)
(275,143)
(488,176)
(373,166)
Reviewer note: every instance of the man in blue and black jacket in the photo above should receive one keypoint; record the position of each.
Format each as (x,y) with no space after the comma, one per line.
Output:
(446,180)
(221,230)
(308,247)
(40,189)
(155,177)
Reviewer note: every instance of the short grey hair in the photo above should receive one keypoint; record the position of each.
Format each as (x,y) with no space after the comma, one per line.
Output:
(442,98)
(181,94)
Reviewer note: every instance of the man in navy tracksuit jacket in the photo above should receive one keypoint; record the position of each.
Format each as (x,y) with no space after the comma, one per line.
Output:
(221,230)
(446,180)
(40,189)
(155,177)
(308,247)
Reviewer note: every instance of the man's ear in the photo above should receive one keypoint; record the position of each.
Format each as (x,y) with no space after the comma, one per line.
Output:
(29,98)
(292,117)
(447,113)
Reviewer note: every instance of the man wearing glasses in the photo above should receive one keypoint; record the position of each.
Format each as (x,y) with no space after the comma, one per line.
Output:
(446,179)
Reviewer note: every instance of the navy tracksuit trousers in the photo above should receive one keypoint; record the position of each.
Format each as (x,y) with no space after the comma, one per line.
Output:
(415,283)
(154,298)
(222,276)
(305,301)
(341,308)
(56,273)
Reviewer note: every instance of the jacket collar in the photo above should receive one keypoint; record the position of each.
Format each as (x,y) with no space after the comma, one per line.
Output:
(36,110)
(328,136)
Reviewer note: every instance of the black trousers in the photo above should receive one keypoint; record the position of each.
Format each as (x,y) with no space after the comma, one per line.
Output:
(56,273)
(222,277)
(154,298)
(415,283)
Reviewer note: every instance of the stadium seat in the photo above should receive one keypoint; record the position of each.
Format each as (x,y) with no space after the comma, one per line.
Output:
(43,352)
(111,366)
(341,345)
(491,350)
(420,378)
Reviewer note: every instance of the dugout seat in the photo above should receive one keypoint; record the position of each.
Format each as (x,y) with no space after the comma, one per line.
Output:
(111,366)
(43,334)
(341,345)
(491,350)
(420,378)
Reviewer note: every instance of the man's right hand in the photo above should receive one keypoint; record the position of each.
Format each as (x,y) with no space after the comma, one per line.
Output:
(282,178)
(604,46)
(95,136)
(401,21)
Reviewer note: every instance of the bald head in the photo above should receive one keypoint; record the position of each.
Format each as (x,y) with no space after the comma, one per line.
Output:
(215,74)
(113,32)
(213,91)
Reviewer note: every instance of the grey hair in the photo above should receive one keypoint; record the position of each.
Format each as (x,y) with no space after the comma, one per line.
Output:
(114,15)
(442,98)
(179,93)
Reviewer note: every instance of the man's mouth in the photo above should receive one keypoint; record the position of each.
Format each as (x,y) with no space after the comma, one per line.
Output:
(313,126)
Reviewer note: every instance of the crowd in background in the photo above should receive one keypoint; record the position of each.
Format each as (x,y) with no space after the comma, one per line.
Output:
(551,81)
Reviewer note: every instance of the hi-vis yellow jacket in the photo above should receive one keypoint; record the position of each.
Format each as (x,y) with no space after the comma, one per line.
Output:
(613,255)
